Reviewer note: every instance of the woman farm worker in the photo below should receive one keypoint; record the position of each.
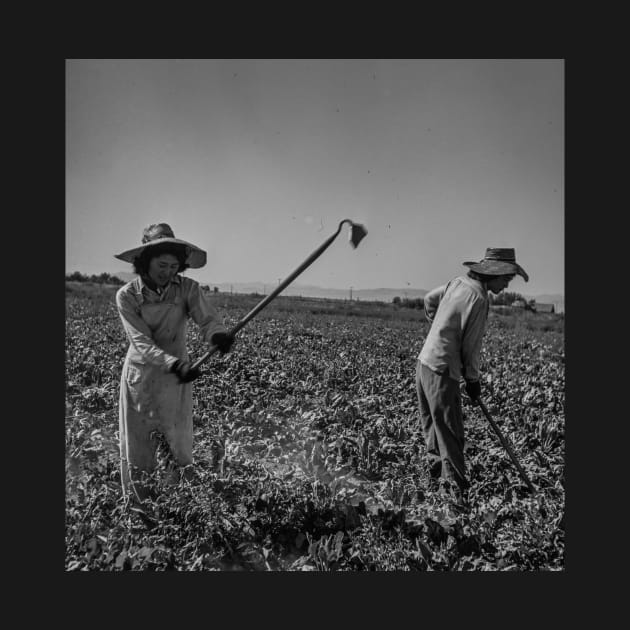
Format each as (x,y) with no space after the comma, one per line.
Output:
(155,386)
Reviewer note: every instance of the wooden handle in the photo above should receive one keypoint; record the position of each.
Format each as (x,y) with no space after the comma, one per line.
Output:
(294,274)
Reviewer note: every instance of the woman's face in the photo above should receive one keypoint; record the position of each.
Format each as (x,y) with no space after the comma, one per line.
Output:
(162,268)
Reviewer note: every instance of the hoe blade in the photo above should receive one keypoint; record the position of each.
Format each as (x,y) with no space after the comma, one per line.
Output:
(357,234)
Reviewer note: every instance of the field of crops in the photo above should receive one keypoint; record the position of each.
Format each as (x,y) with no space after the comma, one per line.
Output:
(308,450)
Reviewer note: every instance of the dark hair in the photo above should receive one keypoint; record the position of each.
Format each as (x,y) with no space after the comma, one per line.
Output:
(482,277)
(141,262)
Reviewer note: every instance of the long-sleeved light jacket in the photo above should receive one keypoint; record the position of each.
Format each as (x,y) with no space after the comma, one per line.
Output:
(458,312)
(151,397)
(156,324)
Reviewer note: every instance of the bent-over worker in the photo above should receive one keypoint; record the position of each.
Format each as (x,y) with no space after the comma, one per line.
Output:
(458,312)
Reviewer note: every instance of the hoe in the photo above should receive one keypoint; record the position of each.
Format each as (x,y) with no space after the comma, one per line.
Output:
(357,233)
(507,446)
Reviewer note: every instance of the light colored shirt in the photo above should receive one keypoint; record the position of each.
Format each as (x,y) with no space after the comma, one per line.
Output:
(458,312)
(156,323)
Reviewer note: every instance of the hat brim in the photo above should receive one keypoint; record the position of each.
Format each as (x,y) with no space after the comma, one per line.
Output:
(196,257)
(497,268)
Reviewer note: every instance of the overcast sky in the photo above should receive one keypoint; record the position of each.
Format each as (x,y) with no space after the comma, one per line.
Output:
(257,162)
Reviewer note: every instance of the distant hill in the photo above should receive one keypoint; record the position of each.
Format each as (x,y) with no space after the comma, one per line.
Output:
(384,294)
(377,295)
(371,295)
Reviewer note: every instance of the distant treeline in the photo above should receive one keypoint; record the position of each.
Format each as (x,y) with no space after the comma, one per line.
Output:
(409,302)
(505,298)
(102,278)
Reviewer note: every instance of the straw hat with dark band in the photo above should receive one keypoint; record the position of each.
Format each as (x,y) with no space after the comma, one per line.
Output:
(159,234)
(498,262)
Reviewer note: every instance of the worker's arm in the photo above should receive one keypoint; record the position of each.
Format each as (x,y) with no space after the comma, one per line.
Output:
(205,316)
(473,327)
(432,301)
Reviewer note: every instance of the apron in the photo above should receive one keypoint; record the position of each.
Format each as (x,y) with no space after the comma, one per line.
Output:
(153,401)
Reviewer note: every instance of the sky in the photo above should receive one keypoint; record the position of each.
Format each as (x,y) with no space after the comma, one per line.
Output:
(257,162)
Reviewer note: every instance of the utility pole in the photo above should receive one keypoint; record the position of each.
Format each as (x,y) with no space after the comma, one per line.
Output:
(351,294)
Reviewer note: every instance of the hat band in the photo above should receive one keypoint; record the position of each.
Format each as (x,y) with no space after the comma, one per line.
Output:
(500,259)
(147,239)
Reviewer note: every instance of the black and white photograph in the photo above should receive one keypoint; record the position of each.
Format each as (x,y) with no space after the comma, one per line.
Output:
(314,315)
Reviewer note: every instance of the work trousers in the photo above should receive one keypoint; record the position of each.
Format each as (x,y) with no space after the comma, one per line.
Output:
(441,417)
(139,450)
(152,403)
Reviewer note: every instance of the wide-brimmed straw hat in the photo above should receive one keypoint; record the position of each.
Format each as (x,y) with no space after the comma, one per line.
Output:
(498,261)
(159,234)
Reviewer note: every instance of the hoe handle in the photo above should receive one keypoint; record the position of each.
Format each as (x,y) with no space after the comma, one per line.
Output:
(507,446)
(288,280)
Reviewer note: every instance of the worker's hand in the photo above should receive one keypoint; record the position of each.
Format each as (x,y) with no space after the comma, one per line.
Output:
(185,372)
(473,389)
(223,341)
